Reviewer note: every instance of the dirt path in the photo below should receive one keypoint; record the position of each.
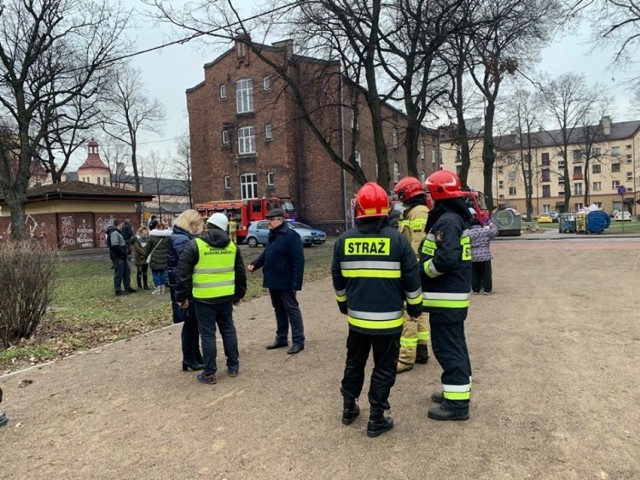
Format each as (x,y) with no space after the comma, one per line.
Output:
(555,355)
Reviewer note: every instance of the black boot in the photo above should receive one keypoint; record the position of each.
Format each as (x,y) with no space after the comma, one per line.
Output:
(422,354)
(144,280)
(378,423)
(437,397)
(350,411)
(439,413)
(139,280)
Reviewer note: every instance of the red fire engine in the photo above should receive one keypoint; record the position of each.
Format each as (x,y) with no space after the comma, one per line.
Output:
(246,211)
(478,202)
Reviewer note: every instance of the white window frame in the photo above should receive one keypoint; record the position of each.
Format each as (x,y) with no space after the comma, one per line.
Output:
(512,176)
(513,191)
(597,186)
(396,172)
(244,96)
(248,186)
(226,181)
(433,155)
(246,141)
(629,176)
(629,159)
(223,91)
(266,84)
(271,179)
(577,188)
(615,184)
(422,149)
(423,177)
(268,132)
(594,167)
(225,137)
(615,151)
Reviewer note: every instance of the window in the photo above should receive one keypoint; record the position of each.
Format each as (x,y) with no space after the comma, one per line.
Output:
(546,175)
(512,190)
(394,138)
(629,159)
(244,95)
(546,190)
(358,158)
(500,184)
(246,141)
(433,155)
(615,167)
(577,188)
(104,181)
(577,156)
(545,159)
(546,208)
(396,172)
(223,91)
(615,151)
(598,204)
(248,186)
(629,176)
(458,154)
(511,161)
(512,176)
(595,152)
(98,180)
(268,132)
(596,168)
(629,147)
(561,164)
(440,156)
(354,121)
(577,206)
(227,182)
(560,180)
(423,177)
(577,170)
(225,137)
(499,170)
(597,186)
(422,149)
(271,179)
(615,184)
(266,84)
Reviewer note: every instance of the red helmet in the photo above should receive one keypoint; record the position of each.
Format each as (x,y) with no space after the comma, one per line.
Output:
(372,201)
(408,188)
(444,184)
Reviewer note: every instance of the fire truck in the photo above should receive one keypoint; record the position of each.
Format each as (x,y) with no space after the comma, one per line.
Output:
(478,202)
(246,211)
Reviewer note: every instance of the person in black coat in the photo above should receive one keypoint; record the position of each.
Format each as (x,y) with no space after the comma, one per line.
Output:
(3,417)
(283,262)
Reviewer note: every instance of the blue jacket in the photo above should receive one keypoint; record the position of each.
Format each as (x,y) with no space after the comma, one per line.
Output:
(282,259)
(179,239)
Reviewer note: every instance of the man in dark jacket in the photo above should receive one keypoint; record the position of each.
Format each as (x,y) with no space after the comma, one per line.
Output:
(374,273)
(211,269)
(283,262)
(118,253)
(127,234)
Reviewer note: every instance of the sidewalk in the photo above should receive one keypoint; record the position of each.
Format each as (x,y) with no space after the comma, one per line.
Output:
(556,385)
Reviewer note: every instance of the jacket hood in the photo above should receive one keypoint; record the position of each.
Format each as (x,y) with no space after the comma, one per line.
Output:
(372,225)
(216,238)
(455,205)
(161,233)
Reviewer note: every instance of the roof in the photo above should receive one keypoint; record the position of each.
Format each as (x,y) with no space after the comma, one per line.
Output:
(81,190)
(93,161)
(167,186)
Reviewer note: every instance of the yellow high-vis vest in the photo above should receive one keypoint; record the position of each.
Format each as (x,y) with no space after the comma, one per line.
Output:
(214,275)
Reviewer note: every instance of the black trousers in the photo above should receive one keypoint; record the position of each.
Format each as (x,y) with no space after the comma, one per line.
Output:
(450,349)
(287,312)
(190,335)
(121,274)
(481,276)
(386,349)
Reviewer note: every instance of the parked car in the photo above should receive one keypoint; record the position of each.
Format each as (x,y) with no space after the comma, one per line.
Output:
(545,218)
(622,216)
(258,233)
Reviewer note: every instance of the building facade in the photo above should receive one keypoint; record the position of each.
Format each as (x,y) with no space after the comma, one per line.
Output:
(249,139)
(601,158)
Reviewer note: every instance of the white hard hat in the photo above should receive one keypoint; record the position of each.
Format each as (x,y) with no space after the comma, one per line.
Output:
(472,211)
(220,220)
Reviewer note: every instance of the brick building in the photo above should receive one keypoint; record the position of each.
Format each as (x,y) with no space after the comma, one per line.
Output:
(248,138)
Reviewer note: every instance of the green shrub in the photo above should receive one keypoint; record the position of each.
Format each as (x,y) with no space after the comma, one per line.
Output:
(26,288)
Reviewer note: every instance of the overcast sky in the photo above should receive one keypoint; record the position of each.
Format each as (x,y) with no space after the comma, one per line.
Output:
(167,73)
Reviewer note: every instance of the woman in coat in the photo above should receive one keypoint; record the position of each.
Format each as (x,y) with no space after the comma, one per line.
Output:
(138,244)
(157,247)
(185,228)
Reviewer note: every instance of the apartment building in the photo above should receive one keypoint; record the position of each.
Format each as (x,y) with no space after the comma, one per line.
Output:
(603,157)
(249,139)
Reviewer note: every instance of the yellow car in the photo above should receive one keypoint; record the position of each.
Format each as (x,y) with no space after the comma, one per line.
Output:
(545,218)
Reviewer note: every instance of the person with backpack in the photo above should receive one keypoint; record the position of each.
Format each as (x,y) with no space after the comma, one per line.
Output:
(156,254)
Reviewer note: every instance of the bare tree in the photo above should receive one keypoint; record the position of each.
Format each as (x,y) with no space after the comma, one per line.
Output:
(182,165)
(51,52)
(127,111)
(158,168)
(569,102)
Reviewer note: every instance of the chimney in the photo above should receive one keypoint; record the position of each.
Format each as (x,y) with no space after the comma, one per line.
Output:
(605,123)
(286,45)
(241,45)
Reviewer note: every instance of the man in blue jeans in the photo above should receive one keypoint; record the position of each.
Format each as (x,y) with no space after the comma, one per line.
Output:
(211,268)
(283,262)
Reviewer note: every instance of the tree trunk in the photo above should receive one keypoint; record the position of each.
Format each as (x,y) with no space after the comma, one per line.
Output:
(488,153)
(17,201)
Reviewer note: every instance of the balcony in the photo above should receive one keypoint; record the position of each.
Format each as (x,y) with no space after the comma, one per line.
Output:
(578,176)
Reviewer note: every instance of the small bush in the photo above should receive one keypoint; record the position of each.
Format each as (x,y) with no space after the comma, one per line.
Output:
(26,288)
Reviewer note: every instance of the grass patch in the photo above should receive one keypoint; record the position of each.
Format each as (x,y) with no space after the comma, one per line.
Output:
(85,314)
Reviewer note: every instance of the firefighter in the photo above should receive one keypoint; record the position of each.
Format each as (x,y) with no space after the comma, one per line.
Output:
(445,270)
(374,272)
(415,335)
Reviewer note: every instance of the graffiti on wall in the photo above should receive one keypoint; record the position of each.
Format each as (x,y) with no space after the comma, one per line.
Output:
(32,228)
(101,229)
(76,231)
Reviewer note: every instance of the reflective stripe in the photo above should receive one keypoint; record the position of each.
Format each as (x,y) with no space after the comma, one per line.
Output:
(213,270)
(375,324)
(213,284)
(341,298)
(341,293)
(445,300)
(375,315)
(446,296)
(408,342)
(429,246)
(371,274)
(414,294)
(457,396)
(417,224)
(465,243)
(424,335)
(456,392)
(415,301)
(430,270)
(378,265)
(214,274)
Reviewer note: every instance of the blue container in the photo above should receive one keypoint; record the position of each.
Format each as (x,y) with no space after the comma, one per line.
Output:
(567,223)
(597,221)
